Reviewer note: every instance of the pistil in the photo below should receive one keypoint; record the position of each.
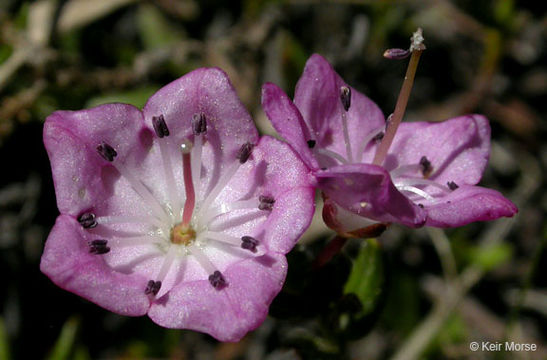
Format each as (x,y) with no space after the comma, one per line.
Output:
(190,202)
(416,47)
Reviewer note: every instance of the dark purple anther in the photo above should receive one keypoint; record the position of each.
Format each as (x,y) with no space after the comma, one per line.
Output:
(396,54)
(311,144)
(345,97)
(107,152)
(266,202)
(160,127)
(452,185)
(199,124)
(98,247)
(87,220)
(425,165)
(244,152)
(217,280)
(249,243)
(153,287)
(378,136)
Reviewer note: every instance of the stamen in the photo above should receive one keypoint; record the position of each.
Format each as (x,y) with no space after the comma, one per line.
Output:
(87,220)
(415,190)
(112,220)
(452,185)
(190,202)
(160,127)
(266,202)
(419,181)
(222,238)
(217,280)
(345,98)
(143,191)
(172,191)
(371,136)
(416,47)
(332,154)
(244,152)
(196,163)
(425,166)
(311,144)
(98,247)
(249,243)
(199,124)
(106,151)
(153,287)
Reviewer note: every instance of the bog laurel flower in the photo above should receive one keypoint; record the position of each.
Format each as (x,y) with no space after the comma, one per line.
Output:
(427,178)
(180,211)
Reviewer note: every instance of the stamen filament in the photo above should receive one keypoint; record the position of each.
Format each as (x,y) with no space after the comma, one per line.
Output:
(203,260)
(346,136)
(367,140)
(332,154)
(142,191)
(196,162)
(210,214)
(167,263)
(415,190)
(221,184)
(400,107)
(403,169)
(419,181)
(190,202)
(112,220)
(222,237)
(170,179)
(134,241)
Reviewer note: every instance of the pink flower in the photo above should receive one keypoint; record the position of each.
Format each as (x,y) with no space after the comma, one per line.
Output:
(180,211)
(427,178)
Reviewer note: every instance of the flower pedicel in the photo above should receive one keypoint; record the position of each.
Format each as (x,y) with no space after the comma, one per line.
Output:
(180,211)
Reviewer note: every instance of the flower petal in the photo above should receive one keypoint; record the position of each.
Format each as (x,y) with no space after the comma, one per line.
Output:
(229,313)
(367,190)
(458,148)
(208,91)
(69,264)
(288,121)
(317,96)
(468,204)
(82,178)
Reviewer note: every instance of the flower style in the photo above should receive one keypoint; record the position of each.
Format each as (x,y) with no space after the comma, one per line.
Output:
(427,178)
(180,211)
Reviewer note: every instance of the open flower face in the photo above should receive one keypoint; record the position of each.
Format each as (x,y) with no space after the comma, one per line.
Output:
(428,176)
(180,211)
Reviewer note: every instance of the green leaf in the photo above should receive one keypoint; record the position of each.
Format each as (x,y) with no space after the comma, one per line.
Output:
(491,256)
(367,276)
(4,344)
(65,342)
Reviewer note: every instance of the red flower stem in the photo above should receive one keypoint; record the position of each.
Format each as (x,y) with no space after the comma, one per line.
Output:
(400,108)
(190,202)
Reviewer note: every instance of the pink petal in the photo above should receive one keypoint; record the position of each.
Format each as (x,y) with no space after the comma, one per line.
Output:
(226,314)
(317,96)
(287,120)
(458,148)
(206,90)
(468,204)
(367,190)
(71,139)
(68,263)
